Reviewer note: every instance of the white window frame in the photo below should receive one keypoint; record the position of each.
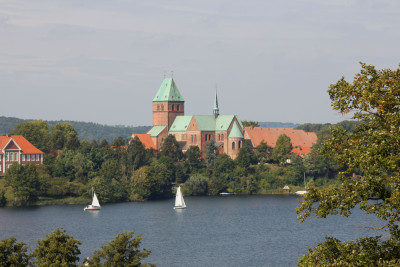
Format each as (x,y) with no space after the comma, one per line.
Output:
(23,157)
(28,157)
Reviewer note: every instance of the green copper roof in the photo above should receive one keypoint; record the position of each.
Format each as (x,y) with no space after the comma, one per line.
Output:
(156,130)
(235,132)
(180,124)
(168,91)
(223,122)
(206,122)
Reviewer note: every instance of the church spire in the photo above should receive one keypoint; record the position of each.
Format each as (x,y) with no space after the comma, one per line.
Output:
(216,109)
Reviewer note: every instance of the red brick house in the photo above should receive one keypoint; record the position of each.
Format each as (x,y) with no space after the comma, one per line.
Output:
(15,148)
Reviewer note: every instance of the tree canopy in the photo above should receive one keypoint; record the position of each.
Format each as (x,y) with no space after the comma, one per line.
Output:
(57,249)
(122,251)
(370,176)
(282,149)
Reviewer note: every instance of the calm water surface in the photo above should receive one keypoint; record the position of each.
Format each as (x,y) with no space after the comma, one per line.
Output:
(212,231)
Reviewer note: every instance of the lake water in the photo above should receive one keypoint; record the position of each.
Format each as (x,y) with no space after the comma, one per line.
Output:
(212,231)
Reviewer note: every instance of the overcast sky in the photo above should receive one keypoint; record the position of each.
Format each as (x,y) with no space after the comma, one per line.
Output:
(103,61)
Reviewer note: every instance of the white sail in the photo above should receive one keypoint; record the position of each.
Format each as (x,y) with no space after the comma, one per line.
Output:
(179,201)
(95,201)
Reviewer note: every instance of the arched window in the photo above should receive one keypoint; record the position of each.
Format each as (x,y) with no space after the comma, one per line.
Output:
(219,137)
(233,145)
(222,137)
(177,107)
(162,107)
(158,107)
(239,143)
(173,107)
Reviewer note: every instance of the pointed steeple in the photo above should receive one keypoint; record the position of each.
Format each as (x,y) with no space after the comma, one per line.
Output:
(216,109)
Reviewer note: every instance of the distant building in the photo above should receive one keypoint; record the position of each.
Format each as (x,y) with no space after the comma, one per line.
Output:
(301,141)
(15,148)
(193,130)
(286,189)
(196,130)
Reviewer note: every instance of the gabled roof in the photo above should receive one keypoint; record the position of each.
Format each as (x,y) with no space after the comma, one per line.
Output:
(146,140)
(206,123)
(223,122)
(156,130)
(20,141)
(270,136)
(180,124)
(168,91)
(235,132)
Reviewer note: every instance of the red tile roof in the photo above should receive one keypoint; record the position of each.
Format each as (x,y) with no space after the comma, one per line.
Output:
(303,140)
(301,151)
(21,142)
(146,140)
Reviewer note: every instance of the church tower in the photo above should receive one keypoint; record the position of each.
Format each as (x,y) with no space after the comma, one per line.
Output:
(167,104)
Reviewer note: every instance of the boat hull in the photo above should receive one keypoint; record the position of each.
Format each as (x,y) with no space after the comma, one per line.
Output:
(90,208)
(85,209)
(179,207)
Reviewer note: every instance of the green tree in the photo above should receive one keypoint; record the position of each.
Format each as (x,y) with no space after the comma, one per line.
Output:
(13,253)
(118,142)
(193,158)
(245,157)
(161,177)
(36,132)
(24,181)
(263,152)
(109,185)
(170,148)
(136,154)
(371,149)
(140,188)
(63,136)
(282,149)
(124,250)
(57,249)
(211,153)
(64,165)
(197,185)
(250,123)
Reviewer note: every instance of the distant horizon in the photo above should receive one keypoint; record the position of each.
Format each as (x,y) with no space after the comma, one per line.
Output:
(149,125)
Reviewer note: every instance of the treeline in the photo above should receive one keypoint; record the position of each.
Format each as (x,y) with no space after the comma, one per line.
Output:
(61,249)
(124,170)
(86,130)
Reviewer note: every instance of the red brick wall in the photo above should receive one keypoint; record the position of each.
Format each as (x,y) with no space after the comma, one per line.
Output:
(167,116)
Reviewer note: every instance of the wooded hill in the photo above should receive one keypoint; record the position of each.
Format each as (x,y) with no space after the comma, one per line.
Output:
(86,130)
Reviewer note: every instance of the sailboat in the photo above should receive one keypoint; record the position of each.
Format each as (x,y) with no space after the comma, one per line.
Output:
(179,201)
(95,203)
(301,192)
